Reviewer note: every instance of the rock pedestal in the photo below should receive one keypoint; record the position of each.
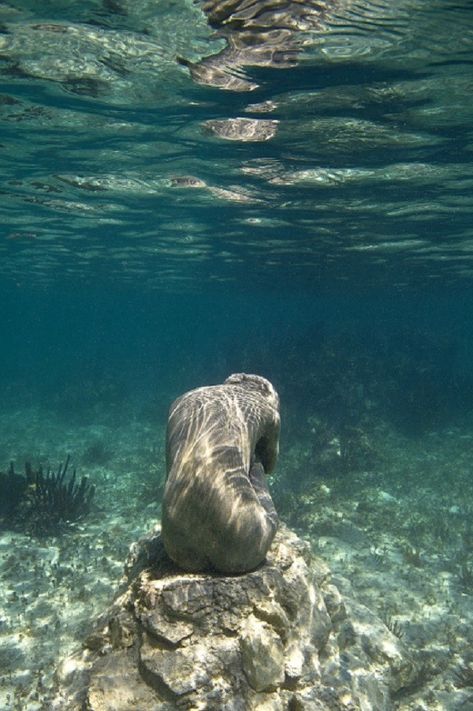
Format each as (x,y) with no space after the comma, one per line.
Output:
(268,640)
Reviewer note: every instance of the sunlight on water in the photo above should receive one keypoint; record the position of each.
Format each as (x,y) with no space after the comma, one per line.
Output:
(360,140)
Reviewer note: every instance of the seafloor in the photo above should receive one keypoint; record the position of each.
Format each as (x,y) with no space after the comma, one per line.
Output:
(398,537)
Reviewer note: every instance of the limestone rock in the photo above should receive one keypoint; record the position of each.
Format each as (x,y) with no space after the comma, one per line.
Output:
(278,638)
(262,654)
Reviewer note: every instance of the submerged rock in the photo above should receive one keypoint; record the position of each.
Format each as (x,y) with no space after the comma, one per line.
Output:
(273,639)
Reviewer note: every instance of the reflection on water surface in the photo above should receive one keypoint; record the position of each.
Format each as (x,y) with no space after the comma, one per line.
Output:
(174,144)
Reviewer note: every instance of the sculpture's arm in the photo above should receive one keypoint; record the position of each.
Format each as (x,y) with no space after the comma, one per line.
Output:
(260,486)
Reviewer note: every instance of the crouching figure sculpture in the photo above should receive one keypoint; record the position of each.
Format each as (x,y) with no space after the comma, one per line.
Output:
(221,442)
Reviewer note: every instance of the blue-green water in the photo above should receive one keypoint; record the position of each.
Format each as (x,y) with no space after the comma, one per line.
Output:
(183,197)
(360,177)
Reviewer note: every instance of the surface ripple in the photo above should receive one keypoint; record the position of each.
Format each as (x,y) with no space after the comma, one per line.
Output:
(310,143)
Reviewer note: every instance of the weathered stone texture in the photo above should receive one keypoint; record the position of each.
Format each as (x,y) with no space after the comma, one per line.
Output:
(276,639)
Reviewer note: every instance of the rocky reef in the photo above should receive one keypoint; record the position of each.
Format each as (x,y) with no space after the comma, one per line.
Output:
(279,638)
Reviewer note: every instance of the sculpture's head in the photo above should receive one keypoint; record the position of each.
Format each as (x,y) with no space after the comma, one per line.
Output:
(257,384)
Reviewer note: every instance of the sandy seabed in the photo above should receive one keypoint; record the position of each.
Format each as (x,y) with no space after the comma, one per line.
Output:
(398,539)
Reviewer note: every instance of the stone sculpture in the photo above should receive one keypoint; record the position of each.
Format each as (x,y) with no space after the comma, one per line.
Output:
(221,442)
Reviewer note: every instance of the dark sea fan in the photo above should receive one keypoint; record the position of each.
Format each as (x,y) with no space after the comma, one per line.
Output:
(56,500)
(44,502)
(12,491)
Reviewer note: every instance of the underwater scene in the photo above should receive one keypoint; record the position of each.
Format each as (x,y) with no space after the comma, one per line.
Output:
(194,189)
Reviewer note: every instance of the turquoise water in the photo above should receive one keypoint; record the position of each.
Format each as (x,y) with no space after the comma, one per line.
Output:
(361,177)
(153,221)
(185,195)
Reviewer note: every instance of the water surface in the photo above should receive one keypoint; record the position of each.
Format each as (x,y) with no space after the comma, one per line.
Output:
(352,165)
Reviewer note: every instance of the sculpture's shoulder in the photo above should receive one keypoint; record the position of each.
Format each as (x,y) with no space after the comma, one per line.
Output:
(198,398)
(239,392)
